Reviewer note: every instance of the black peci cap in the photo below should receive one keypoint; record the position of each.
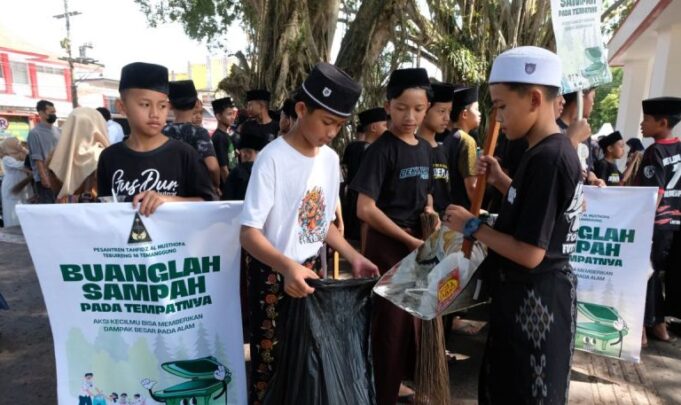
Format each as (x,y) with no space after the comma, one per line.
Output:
(662,106)
(182,94)
(635,145)
(140,75)
(258,95)
(464,96)
(372,115)
(442,92)
(408,78)
(609,140)
(332,89)
(221,104)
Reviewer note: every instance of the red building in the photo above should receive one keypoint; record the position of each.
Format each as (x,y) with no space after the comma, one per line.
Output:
(28,74)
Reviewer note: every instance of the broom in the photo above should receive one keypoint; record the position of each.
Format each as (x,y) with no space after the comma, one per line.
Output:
(432,373)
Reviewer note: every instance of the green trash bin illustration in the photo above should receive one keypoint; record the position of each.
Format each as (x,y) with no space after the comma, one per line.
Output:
(604,333)
(206,378)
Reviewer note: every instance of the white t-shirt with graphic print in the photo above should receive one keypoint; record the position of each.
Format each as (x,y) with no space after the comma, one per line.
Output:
(292,198)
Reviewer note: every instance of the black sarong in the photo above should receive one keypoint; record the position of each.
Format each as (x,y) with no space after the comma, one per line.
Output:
(529,350)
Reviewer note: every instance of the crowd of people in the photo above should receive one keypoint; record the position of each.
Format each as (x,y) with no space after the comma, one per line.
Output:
(416,154)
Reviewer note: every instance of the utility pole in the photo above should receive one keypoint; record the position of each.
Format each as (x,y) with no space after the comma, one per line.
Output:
(66,45)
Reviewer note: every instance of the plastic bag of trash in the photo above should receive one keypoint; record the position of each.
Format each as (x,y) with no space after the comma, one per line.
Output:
(325,353)
(436,279)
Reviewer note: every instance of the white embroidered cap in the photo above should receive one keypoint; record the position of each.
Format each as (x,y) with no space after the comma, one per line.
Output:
(527,64)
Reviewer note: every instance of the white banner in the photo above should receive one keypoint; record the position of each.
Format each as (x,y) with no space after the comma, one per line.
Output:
(612,263)
(577,28)
(142,307)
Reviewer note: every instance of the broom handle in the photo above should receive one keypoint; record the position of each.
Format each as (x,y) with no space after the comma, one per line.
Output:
(481,183)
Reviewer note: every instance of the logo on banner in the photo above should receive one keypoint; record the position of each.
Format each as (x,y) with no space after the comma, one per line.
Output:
(138,233)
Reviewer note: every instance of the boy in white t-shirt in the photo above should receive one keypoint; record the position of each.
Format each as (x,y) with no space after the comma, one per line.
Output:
(289,211)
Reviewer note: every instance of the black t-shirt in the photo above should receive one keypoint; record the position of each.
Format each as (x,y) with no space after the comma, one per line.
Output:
(510,153)
(193,135)
(236,184)
(398,177)
(441,195)
(225,151)
(661,168)
(608,172)
(268,131)
(173,169)
(352,158)
(543,204)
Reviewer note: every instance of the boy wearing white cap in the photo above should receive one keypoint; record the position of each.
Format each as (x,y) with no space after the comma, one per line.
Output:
(532,317)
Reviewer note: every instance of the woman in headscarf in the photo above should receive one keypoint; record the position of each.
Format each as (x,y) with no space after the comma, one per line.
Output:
(73,164)
(13,156)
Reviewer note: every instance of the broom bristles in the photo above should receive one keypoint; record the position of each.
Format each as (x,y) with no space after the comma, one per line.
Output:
(432,373)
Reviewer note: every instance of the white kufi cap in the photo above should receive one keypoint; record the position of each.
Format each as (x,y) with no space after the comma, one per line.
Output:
(527,64)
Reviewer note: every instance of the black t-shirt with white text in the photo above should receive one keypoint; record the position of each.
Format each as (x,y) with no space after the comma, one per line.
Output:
(661,168)
(398,177)
(173,169)
(543,203)
(608,172)
(441,195)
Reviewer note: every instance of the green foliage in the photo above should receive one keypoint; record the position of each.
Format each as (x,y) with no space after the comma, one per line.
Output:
(607,101)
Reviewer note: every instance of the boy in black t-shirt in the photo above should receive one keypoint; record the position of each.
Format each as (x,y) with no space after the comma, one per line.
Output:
(183,99)
(661,168)
(148,168)
(606,169)
(394,184)
(532,318)
(260,122)
(223,142)
(435,122)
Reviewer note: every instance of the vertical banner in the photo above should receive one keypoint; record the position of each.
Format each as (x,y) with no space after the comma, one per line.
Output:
(144,309)
(577,28)
(612,263)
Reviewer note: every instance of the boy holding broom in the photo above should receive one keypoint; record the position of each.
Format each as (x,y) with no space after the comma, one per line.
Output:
(532,318)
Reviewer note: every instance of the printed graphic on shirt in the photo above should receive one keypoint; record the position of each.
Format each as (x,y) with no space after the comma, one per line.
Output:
(418,171)
(149,179)
(572,215)
(440,171)
(614,178)
(311,217)
(511,195)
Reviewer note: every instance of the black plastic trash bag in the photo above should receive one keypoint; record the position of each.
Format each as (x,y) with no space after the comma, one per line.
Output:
(325,353)
(3,303)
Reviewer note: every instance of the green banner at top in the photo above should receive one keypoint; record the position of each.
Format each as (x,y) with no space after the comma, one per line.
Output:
(577,28)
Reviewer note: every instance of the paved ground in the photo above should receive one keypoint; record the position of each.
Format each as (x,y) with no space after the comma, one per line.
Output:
(27,371)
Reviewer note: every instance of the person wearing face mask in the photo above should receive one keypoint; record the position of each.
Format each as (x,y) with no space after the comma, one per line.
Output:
(41,142)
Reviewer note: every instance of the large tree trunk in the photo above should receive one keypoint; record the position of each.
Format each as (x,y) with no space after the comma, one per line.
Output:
(368,34)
